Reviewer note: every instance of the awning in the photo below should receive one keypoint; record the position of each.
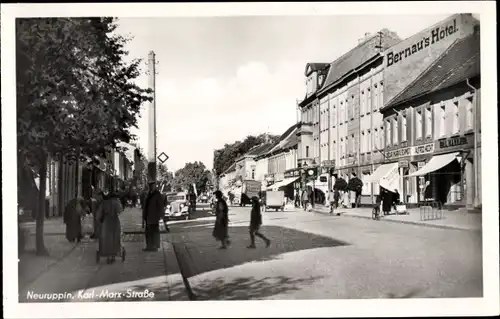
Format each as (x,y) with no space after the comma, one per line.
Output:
(435,163)
(381,172)
(283,183)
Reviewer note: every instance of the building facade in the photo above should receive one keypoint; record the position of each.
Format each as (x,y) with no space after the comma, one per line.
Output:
(433,140)
(344,113)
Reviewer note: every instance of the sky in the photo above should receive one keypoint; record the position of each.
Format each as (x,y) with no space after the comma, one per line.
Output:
(220,79)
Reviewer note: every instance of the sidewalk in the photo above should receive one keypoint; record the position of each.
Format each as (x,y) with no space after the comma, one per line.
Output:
(457,219)
(72,273)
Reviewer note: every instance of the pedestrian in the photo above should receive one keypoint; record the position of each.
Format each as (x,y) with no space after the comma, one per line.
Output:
(255,223)
(336,198)
(152,213)
(305,199)
(297,199)
(96,201)
(331,199)
(386,202)
(110,231)
(378,203)
(220,231)
(73,219)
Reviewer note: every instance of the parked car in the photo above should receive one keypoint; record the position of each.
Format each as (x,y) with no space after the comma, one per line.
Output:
(177,206)
(203,198)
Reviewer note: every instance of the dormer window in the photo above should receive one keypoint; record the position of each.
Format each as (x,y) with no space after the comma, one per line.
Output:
(320,80)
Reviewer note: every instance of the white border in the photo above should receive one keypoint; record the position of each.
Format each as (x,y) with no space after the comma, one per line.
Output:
(488,305)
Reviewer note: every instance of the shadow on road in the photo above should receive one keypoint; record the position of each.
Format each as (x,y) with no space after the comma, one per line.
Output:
(197,251)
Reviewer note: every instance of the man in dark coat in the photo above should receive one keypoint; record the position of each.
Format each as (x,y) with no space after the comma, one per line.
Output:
(152,213)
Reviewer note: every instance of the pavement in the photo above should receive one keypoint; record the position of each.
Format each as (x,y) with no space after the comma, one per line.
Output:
(455,219)
(313,255)
(320,256)
(70,272)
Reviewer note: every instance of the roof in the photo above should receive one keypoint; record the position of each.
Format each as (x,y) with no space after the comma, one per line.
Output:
(316,66)
(360,54)
(458,63)
(259,149)
(230,169)
(287,140)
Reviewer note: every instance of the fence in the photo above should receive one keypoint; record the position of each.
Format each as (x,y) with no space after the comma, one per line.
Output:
(431,211)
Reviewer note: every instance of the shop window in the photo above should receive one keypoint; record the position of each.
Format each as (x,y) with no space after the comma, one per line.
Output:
(395,131)
(456,118)
(418,125)
(403,128)
(469,114)
(428,122)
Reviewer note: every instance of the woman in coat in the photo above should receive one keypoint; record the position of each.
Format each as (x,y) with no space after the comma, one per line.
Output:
(220,231)
(73,219)
(110,229)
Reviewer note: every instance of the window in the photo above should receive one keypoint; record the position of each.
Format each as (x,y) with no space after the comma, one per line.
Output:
(375,99)
(442,120)
(307,151)
(341,148)
(375,139)
(353,149)
(362,142)
(428,122)
(395,131)
(341,117)
(418,125)
(456,119)
(388,133)
(363,104)
(368,144)
(403,128)
(253,173)
(369,100)
(381,94)
(381,137)
(334,116)
(469,114)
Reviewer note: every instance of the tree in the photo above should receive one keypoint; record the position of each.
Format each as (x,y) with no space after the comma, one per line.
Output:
(193,173)
(225,157)
(75,93)
(356,185)
(340,184)
(165,178)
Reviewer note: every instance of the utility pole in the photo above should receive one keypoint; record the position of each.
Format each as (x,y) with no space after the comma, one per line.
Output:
(152,118)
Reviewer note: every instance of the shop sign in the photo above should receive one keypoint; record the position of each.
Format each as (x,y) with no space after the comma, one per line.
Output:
(401,152)
(420,164)
(292,173)
(404,164)
(457,142)
(328,163)
(423,149)
(433,37)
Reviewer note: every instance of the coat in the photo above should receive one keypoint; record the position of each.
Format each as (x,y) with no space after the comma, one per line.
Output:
(154,208)
(73,213)
(220,231)
(110,230)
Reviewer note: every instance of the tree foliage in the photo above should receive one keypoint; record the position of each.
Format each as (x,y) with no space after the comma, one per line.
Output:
(355,185)
(165,178)
(75,93)
(193,173)
(340,184)
(225,157)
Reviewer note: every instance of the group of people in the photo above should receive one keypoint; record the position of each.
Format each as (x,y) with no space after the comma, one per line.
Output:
(105,209)
(221,227)
(387,200)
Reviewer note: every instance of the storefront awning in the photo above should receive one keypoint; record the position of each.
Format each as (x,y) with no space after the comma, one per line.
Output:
(282,183)
(381,172)
(435,163)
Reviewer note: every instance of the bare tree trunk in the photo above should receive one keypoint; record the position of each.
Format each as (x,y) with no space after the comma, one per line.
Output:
(40,217)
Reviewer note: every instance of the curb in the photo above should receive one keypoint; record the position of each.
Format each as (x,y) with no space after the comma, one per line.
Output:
(173,278)
(184,275)
(404,222)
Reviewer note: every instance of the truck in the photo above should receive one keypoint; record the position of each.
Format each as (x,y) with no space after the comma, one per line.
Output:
(249,189)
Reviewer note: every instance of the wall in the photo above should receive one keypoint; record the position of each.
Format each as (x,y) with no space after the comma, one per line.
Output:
(426,48)
(261,167)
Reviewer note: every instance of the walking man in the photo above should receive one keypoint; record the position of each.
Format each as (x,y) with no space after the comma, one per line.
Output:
(255,223)
(152,213)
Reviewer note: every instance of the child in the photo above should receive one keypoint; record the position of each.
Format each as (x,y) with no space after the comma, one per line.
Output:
(255,223)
